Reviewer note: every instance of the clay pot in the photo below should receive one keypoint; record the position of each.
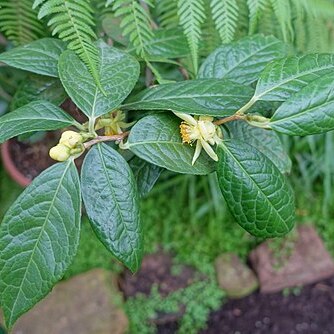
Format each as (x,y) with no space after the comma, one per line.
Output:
(9,165)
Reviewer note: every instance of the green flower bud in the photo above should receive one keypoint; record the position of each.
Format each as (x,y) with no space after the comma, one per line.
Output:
(60,152)
(71,139)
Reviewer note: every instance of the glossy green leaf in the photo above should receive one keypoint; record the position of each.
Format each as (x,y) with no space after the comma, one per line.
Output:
(35,116)
(310,111)
(111,199)
(157,139)
(242,61)
(39,57)
(283,78)
(256,193)
(199,97)
(266,141)
(118,75)
(39,237)
(37,87)
(166,43)
(146,174)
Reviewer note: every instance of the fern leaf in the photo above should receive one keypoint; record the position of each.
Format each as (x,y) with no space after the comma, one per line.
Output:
(255,7)
(192,15)
(319,8)
(167,13)
(135,23)
(19,21)
(282,10)
(225,14)
(243,19)
(210,35)
(72,21)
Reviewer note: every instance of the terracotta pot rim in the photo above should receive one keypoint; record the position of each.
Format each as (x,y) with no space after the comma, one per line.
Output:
(10,167)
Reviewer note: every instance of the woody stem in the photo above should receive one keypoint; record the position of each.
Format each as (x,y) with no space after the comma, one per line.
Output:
(100,139)
(228,119)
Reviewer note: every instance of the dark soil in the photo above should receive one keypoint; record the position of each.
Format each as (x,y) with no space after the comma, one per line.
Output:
(156,269)
(32,158)
(309,312)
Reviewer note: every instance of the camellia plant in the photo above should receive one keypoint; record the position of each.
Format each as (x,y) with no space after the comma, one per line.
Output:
(225,120)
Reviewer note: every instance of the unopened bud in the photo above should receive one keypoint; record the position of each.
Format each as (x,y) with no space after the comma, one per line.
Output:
(60,152)
(71,139)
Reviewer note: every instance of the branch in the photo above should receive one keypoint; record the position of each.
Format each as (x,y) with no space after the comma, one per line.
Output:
(100,139)
(229,119)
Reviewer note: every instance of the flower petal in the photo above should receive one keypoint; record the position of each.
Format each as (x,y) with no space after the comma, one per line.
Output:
(187,118)
(209,150)
(197,151)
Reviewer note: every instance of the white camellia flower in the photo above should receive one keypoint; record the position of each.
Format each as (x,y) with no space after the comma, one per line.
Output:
(200,129)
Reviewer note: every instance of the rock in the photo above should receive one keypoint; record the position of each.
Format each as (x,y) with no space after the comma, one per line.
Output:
(85,304)
(307,262)
(234,277)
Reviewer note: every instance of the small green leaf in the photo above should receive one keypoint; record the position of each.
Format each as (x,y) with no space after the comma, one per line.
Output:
(39,237)
(283,78)
(37,87)
(256,193)
(118,72)
(242,61)
(111,200)
(157,139)
(310,111)
(35,116)
(146,174)
(39,57)
(266,141)
(198,97)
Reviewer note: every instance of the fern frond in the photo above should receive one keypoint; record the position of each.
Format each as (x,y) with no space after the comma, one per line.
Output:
(300,38)
(192,15)
(315,35)
(255,7)
(167,13)
(320,8)
(268,23)
(225,14)
(243,19)
(136,23)
(282,10)
(210,36)
(72,21)
(18,21)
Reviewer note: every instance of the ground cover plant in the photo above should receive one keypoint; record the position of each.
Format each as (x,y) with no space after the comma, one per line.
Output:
(221,115)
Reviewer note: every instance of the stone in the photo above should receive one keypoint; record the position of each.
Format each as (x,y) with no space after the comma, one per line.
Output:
(306,262)
(85,304)
(235,277)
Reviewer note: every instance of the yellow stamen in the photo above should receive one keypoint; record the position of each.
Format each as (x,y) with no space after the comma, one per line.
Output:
(185,133)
